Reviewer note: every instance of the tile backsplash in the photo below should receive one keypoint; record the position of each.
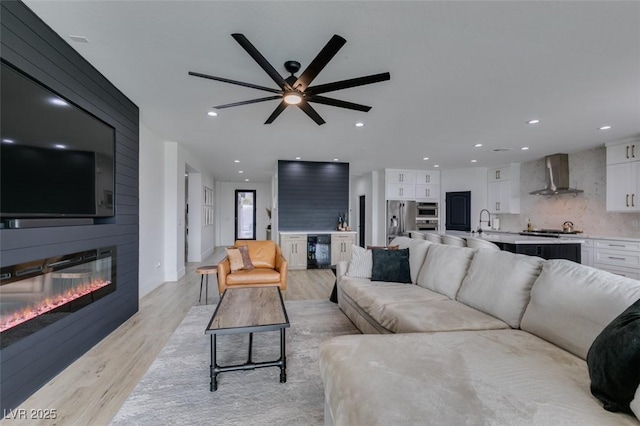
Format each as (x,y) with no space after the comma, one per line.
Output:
(587,210)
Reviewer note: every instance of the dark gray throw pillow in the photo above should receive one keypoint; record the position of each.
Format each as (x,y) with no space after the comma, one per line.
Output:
(614,361)
(391,265)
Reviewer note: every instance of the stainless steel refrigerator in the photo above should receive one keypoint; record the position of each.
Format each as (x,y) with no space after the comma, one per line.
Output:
(401,218)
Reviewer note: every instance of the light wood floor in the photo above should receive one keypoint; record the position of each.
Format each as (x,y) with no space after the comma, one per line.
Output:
(91,390)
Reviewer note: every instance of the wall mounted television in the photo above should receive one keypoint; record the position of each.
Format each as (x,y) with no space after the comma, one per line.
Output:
(56,159)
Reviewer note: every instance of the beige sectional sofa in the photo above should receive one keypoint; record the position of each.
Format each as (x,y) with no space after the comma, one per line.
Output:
(480,337)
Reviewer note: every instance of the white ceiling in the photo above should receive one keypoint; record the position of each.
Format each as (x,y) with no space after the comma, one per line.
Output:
(461,73)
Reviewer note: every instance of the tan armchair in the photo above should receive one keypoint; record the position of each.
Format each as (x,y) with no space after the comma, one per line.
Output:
(270,267)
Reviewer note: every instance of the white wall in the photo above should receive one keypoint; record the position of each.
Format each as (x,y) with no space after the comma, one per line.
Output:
(151,211)
(472,179)
(225,207)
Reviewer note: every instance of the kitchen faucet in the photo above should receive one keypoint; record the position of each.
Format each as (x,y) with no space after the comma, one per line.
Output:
(480,221)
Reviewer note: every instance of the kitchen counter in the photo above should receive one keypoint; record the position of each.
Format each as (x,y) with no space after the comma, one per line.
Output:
(514,238)
(315,232)
(581,236)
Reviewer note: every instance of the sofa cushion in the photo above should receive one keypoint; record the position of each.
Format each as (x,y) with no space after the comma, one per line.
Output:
(434,315)
(417,252)
(614,361)
(635,404)
(391,266)
(369,293)
(571,304)
(257,275)
(499,283)
(261,252)
(361,262)
(489,377)
(444,268)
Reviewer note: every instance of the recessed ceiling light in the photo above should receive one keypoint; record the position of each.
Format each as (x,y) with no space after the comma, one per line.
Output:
(212,114)
(60,146)
(359,124)
(534,121)
(474,161)
(298,158)
(240,171)
(246,180)
(336,159)
(425,158)
(524,148)
(436,165)
(605,128)
(8,141)
(58,101)
(236,161)
(478,145)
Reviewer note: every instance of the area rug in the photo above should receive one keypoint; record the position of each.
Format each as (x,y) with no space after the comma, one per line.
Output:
(175,389)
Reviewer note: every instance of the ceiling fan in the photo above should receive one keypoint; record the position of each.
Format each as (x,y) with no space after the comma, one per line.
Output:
(296,90)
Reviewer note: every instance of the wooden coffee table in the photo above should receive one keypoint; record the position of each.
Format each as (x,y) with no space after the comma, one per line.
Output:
(248,310)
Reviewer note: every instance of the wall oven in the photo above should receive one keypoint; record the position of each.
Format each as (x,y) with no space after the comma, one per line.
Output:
(427,210)
(427,224)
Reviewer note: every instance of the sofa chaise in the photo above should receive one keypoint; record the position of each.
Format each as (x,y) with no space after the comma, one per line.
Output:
(478,337)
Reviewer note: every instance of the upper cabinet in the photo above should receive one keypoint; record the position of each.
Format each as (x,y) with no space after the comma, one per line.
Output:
(503,189)
(623,177)
(419,185)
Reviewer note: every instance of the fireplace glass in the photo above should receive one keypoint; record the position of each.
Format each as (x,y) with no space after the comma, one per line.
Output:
(38,293)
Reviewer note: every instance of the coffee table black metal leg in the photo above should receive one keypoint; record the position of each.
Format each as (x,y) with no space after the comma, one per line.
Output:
(249,361)
(283,357)
(213,385)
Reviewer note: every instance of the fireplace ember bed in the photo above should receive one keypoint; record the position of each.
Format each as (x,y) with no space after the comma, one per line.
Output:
(38,293)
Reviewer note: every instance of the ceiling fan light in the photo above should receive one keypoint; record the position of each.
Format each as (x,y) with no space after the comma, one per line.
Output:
(292,98)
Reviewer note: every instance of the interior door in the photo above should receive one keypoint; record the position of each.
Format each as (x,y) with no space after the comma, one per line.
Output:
(245,214)
(458,211)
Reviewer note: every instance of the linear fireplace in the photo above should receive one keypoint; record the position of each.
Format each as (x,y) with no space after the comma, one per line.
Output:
(38,293)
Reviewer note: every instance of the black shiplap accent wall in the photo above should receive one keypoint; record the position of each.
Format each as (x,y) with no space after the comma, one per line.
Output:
(30,45)
(311,195)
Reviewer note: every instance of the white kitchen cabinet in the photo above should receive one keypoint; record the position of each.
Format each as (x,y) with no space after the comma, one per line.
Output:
(418,185)
(503,189)
(586,255)
(428,177)
(294,249)
(618,257)
(427,193)
(400,176)
(623,187)
(341,247)
(399,191)
(624,153)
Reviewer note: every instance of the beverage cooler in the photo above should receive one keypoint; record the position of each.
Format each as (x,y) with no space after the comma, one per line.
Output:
(318,251)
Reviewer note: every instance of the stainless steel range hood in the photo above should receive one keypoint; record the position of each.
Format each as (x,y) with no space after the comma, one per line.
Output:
(557,176)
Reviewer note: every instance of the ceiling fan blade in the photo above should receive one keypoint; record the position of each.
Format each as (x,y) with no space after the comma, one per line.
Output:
(338,103)
(264,64)
(276,112)
(239,83)
(345,84)
(251,101)
(311,113)
(319,62)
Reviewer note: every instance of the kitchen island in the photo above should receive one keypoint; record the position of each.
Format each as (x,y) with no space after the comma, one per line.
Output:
(545,247)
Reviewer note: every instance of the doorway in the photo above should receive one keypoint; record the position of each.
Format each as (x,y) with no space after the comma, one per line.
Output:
(361,220)
(458,215)
(245,214)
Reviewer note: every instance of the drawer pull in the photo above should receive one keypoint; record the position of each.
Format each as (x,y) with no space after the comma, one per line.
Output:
(627,200)
(617,258)
(617,245)
(627,151)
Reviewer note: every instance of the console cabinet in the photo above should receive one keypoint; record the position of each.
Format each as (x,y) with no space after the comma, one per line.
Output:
(618,257)
(294,249)
(341,247)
